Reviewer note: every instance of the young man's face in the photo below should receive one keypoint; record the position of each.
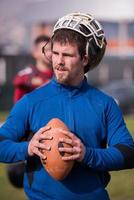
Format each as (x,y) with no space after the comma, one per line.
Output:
(68,66)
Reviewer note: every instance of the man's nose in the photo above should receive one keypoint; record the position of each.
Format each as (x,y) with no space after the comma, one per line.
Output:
(61,59)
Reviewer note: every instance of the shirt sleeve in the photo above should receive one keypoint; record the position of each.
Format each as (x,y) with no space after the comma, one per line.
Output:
(12,131)
(119,153)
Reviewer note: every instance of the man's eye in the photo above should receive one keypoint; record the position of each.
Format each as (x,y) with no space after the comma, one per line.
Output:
(68,55)
(55,53)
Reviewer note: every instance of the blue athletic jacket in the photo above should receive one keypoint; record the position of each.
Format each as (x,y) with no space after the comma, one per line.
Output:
(90,114)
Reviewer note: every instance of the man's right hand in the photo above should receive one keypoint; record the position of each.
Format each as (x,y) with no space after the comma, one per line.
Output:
(35,146)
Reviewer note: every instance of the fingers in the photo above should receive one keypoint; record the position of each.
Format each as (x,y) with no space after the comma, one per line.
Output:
(36,144)
(42,146)
(42,130)
(73,157)
(72,150)
(67,133)
(37,152)
(43,137)
(75,153)
(72,139)
(76,150)
(37,148)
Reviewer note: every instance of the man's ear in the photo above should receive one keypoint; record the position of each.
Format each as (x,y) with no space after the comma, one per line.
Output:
(85,60)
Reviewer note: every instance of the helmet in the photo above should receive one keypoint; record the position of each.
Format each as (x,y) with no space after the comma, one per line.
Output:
(91,29)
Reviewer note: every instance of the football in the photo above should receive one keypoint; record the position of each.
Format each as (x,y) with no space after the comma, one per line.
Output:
(54,164)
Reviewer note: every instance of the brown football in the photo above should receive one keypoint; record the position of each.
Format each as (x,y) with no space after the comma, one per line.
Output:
(54,164)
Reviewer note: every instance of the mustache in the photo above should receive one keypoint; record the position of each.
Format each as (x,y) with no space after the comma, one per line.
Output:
(61,67)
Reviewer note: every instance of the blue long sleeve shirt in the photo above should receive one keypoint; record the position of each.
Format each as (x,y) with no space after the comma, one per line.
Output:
(90,114)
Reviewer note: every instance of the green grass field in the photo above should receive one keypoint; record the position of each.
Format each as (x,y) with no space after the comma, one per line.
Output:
(121,186)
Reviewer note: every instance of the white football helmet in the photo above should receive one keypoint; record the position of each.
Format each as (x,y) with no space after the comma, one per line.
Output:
(91,29)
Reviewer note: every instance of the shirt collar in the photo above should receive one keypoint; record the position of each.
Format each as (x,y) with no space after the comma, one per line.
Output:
(71,90)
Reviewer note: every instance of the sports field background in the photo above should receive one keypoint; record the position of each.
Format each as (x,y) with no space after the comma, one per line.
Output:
(121,186)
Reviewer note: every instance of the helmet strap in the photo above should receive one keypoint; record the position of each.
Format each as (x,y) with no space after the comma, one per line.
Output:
(87,46)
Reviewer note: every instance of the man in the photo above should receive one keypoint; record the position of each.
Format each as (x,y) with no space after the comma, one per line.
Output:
(31,76)
(99,139)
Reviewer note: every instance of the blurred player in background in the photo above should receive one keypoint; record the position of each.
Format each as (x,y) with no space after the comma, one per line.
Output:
(31,76)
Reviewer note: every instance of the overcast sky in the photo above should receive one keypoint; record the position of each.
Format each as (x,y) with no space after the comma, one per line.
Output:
(29,11)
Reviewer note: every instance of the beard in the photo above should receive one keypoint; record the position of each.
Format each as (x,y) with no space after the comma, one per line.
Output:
(61,78)
(61,75)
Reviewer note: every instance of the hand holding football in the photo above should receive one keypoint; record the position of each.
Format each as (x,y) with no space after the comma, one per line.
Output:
(54,164)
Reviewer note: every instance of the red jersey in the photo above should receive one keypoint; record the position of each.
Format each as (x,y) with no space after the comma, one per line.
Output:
(28,79)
